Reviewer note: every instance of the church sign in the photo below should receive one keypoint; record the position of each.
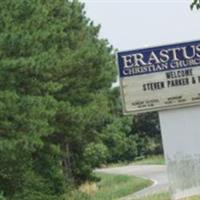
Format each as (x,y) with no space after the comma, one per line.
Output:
(160,78)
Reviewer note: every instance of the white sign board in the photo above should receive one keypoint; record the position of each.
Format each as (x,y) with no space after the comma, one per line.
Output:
(160,78)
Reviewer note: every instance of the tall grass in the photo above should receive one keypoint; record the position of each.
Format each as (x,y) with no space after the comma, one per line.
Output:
(111,187)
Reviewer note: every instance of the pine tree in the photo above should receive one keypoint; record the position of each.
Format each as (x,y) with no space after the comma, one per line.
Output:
(55,76)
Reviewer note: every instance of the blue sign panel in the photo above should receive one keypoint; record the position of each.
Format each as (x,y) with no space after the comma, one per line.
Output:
(158,59)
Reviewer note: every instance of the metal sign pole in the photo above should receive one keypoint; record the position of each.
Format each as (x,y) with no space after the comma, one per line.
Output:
(181,141)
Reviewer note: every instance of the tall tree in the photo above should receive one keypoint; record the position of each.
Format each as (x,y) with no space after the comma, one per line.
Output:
(55,76)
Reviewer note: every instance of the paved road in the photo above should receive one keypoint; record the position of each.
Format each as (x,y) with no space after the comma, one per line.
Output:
(157,173)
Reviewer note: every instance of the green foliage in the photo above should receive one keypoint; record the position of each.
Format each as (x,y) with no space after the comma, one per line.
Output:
(24,121)
(35,188)
(131,148)
(148,136)
(2,196)
(195,3)
(55,79)
(95,154)
(77,195)
(128,138)
(121,145)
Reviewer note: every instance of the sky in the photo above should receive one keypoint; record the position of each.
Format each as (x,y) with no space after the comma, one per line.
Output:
(133,24)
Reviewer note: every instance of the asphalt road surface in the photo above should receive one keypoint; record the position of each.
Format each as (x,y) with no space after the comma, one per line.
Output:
(156,173)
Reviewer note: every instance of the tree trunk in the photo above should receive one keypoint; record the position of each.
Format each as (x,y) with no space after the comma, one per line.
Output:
(66,160)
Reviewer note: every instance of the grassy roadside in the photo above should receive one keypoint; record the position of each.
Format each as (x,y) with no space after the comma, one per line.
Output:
(112,187)
(151,160)
(165,196)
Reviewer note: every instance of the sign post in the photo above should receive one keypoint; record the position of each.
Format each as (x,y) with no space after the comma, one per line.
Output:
(167,79)
(181,140)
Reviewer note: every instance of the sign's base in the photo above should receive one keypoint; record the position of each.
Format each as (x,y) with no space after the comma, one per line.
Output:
(187,193)
(181,140)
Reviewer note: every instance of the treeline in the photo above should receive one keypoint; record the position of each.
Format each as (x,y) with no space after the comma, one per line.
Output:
(59,116)
(128,138)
